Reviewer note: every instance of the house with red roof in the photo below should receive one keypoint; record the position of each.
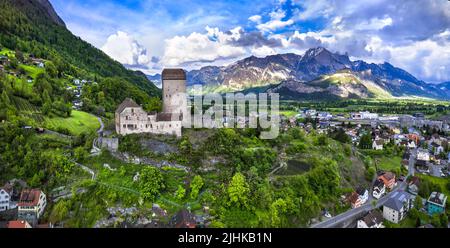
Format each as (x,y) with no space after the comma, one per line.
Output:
(18,224)
(31,205)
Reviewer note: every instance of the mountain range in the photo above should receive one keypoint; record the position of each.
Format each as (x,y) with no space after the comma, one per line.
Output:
(318,73)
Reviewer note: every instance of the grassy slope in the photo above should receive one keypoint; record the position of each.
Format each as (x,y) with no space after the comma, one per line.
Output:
(32,71)
(79,122)
(389,163)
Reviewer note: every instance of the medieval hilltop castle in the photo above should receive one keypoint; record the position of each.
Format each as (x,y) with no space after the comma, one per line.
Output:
(131,118)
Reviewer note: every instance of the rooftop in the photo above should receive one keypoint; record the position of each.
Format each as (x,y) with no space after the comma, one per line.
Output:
(173,74)
(18,224)
(127,103)
(397,200)
(437,198)
(373,218)
(29,198)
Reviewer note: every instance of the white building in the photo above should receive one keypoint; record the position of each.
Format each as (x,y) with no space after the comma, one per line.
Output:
(379,189)
(131,118)
(377,144)
(31,205)
(5,197)
(397,206)
(365,115)
(423,154)
(373,219)
(412,144)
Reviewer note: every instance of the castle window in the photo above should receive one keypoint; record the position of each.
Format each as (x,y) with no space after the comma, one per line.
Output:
(132,110)
(124,126)
(151,126)
(170,125)
(126,117)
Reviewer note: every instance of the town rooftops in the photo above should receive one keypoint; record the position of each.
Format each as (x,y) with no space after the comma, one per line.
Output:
(397,199)
(437,198)
(373,218)
(29,197)
(127,103)
(173,74)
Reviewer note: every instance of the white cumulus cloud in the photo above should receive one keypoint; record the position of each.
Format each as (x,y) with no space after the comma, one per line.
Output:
(255,18)
(126,50)
(201,47)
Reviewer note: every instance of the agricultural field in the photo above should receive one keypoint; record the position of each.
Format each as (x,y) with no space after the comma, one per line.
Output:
(79,122)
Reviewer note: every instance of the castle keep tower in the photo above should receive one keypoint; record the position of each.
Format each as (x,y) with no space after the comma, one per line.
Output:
(174,90)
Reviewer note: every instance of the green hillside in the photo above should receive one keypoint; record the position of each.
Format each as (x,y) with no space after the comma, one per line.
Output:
(26,27)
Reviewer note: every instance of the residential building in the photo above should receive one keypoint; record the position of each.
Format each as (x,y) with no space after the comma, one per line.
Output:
(412,144)
(379,189)
(18,224)
(413,185)
(436,203)
(363,194)
(397,206)
(365,115)
(32,204)
(378,144)
(423,154)
(6,193)
(435,148)
(373,219)
(388,178)
(131,118)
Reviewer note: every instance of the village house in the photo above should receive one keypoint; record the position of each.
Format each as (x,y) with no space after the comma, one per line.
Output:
(423,154)
(422,166)
(397,206)
(373,219)
(388,178)
(358,197)
(412,144)
(32,204)
(379,189)
(413,185)
(436,203)
(18,224)
(378,144)
(131,118)
(6,193)
(435,148)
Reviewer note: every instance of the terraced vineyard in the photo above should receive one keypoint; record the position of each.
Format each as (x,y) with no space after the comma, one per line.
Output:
(26,108)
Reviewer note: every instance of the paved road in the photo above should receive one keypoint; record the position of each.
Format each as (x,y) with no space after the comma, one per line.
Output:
(102,125)
(355,212)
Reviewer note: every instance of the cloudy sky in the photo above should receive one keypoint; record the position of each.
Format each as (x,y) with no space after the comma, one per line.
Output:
(149,35)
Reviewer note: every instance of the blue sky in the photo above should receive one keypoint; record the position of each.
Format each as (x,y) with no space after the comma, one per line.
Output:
(149,35)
